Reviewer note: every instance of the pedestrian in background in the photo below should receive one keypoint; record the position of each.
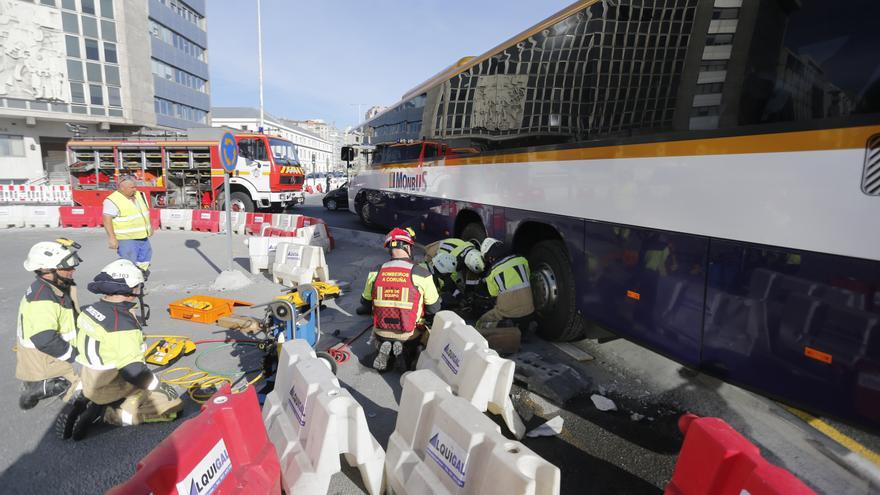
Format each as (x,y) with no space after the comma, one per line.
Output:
(127,223)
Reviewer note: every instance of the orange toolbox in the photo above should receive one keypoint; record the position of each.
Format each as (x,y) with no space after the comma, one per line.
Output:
(204,309)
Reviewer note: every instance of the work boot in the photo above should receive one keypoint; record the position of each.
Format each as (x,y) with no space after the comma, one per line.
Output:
(381,361)
(34,392)
(68,415)
(91,414)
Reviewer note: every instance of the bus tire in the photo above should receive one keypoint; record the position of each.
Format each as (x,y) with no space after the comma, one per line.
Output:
(473,230)
(556,314)
(363,211)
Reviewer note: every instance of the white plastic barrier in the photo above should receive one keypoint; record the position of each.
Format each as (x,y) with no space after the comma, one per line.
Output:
(20,194)
(261,250)
(174,219)
(315,235)
(443,445)
(7,193)
(296,264)
(238,220)
(11,216)
(285,221)
(311,420)
(458,354)
(62,194)
(41,216)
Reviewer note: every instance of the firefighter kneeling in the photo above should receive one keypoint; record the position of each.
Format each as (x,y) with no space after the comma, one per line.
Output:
(117,386)
(400,295)
(508,282)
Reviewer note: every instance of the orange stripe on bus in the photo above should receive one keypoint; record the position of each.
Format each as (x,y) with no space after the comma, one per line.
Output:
(822,140)
(817,355)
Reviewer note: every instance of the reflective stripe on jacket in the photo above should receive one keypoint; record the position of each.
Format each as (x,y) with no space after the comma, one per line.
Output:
(133,220)
(511,273)
(109,337)
(45,307)
(404,288)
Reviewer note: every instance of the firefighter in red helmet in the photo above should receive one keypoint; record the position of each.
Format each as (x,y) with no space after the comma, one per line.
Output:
(400,295)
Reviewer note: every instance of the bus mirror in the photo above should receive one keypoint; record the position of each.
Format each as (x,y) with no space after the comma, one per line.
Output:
(347,153)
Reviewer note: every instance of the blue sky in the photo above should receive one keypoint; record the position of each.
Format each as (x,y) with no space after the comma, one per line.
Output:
(321,57)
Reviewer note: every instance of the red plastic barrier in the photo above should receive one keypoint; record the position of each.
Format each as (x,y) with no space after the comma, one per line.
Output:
(81,216)
(223,450)
(715,459)
(206,220)
(155,218)
(253,223)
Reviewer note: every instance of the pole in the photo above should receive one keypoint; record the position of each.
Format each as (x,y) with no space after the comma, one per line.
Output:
(260,61)
(228,220)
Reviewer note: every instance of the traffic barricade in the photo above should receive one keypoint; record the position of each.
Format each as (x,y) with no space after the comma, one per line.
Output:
(11,216)
(222,450)
(261,251)
(62,194)
(80,216)
(20,193)
(174,219)
(33,194)
(206,221)
(316,234)
(311,420)
(442,445)
(716,459)
(254,222)
(155,218)
(6,193)
(296,264)
(459,355)
(238,222)
(41,216)
(285,225)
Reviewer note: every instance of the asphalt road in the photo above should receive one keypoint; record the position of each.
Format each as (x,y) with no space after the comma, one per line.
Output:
(337,218)
(630,450)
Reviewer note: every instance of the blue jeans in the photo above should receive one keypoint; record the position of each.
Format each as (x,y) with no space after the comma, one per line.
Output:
(138,251)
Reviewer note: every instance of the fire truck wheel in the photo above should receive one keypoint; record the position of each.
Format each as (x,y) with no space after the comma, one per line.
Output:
(238,201)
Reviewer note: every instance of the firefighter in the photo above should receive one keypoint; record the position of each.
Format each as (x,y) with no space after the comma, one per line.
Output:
(127,223)
(508,283)
(455,276)
(400,296)
(46,323)
(452,245)
(117,386)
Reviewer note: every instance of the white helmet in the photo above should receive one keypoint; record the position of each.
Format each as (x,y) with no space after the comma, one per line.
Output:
(119,277)
(473,259)
(487,245)
(444,262)
(51,255)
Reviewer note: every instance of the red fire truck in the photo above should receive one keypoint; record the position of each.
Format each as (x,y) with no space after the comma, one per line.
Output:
(181,173)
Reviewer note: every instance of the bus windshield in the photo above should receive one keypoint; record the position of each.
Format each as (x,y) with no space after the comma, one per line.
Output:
(284,152)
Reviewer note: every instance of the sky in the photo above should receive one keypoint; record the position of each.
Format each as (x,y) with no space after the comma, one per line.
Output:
(323,58)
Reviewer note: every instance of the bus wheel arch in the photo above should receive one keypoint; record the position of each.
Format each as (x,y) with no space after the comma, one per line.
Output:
(469,225)
(552,280)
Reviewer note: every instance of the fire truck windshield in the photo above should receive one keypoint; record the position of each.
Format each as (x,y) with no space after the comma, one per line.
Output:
(284,152)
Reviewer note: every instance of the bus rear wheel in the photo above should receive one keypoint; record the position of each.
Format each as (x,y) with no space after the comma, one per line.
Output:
(554,291)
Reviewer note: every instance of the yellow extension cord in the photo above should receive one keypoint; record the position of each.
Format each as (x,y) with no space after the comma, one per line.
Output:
(194,380)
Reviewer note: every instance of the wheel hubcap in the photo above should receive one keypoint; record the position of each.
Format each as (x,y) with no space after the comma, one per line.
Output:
(236,205)
(365,211)
(544,287)
(331,204)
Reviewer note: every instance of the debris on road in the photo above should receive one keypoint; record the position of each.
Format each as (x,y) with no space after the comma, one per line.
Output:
(551,428)
(555,381)
(603,403)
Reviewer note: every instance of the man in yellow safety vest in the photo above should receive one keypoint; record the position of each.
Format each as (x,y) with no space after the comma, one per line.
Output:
(127,222)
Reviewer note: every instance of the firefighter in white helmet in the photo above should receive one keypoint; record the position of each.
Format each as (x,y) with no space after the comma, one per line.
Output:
(46,323)
(508,282)
(117,386)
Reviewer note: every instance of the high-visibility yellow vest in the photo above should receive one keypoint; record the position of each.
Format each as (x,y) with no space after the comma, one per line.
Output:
(509,274)
(133,220)
(45,307)
(109,337)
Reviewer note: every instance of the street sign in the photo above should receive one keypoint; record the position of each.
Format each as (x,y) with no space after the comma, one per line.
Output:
(228,152)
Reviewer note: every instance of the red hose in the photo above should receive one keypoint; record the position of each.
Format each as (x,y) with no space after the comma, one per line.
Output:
(340,352)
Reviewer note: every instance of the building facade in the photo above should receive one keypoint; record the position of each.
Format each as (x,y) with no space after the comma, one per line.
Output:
(328,133)
(315,152)
(84,68)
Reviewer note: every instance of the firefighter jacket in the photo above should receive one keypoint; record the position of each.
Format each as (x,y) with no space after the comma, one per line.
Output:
(47,319)
(509,274)
(133,220)
(401,294)
(453,246)
(110,338)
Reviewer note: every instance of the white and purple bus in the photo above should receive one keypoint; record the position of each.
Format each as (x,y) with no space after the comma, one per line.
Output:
(699,177)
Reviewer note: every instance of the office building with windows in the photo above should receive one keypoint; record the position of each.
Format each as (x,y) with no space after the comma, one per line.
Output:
(95,68)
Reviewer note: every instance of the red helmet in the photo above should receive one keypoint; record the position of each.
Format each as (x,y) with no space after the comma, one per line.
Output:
(397,237)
